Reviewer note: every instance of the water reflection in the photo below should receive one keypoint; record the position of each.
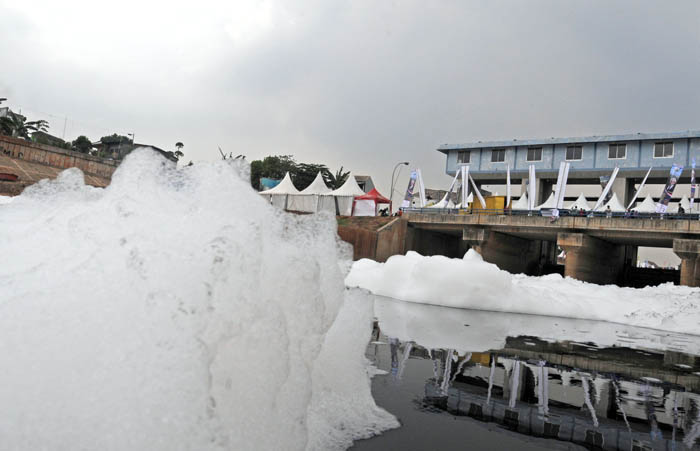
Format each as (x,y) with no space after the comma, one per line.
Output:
(599,385)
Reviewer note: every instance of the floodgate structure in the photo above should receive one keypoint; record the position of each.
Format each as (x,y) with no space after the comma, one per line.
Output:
(598,249)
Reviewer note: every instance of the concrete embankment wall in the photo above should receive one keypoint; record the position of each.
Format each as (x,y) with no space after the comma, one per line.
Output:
(55,157)
(32,162)
(377,238)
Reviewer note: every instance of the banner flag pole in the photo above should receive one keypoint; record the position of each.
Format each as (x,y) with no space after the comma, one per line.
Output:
(670,186)
(465,186)
(607,188)
(507,186)
(532,189)
(692,185)
(421,188)
(639,189)
(409,191)
(478,194)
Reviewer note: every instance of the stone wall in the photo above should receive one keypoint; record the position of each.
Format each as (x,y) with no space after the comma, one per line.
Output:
(53,156)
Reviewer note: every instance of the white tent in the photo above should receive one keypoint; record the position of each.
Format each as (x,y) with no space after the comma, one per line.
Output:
(345,195)
(551,202)
(313,198)
(470,199)
(521,204)
(614,204)
(278,195)
(580,203)
(647,206)
(442,204)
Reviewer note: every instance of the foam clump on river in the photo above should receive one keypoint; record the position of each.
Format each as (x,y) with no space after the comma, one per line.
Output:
(176,310)
(471,283)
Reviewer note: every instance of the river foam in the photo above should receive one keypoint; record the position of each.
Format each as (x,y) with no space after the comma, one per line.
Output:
(471,283)
(176,310)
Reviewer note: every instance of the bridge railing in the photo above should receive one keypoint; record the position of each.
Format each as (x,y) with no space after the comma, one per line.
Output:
(548,213)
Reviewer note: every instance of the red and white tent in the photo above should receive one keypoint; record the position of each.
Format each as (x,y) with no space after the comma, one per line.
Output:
(368,204)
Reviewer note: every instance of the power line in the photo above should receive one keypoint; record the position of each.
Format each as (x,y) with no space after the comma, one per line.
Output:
(66,120)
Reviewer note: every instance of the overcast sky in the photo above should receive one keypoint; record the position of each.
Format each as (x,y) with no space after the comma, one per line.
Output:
(362,84)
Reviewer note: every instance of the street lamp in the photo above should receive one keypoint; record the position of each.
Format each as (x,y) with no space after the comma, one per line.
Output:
(391,193)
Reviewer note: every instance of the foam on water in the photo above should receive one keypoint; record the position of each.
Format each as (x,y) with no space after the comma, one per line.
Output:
(471,283)
(173,310)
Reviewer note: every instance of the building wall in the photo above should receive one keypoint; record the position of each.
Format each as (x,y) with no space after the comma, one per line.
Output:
(640,155)
(587,156)
(55,157)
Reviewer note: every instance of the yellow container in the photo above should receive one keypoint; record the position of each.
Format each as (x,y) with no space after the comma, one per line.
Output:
(494,205)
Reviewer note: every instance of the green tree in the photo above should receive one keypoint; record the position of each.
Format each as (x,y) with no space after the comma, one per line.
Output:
(305,173)
(178,153)
(335,181)
(16,125)
(82,144)
(116,139)
(273,167)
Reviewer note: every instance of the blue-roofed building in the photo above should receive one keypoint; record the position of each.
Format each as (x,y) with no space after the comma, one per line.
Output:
(590,157)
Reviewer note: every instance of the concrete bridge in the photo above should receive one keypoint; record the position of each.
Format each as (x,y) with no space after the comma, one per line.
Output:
(598,249)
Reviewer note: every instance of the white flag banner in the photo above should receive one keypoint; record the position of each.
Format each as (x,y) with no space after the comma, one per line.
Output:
(446,197)
(639,189)
(408,197)
(607,189)
(692,185)
(557,187)
(478,193)
(465,185)
(421,189)
(561,184)
(532,188)
(507,186)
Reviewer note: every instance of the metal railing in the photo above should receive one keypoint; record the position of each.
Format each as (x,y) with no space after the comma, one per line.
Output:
(548,213)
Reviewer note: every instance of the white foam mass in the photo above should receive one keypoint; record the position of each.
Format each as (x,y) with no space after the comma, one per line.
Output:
(471,283)
(176,310)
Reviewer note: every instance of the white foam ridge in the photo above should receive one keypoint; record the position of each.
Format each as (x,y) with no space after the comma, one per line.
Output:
(177,310)
(471,283)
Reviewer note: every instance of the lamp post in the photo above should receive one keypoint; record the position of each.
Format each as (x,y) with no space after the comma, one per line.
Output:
(391,193)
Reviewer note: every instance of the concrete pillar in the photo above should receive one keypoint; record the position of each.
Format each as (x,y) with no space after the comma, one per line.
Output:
(689,253)
(545,187)
(509,253)
(621,187)
(591,259)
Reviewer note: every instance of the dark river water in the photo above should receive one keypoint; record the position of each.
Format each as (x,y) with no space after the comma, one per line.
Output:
(461,379)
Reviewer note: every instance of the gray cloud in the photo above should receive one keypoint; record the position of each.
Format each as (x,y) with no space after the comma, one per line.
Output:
(359,84)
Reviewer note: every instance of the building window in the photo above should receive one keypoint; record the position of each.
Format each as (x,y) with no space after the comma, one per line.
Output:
(463,156)
(534,154)
(617,151)
(574,153)
(663,150)
(498,155)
